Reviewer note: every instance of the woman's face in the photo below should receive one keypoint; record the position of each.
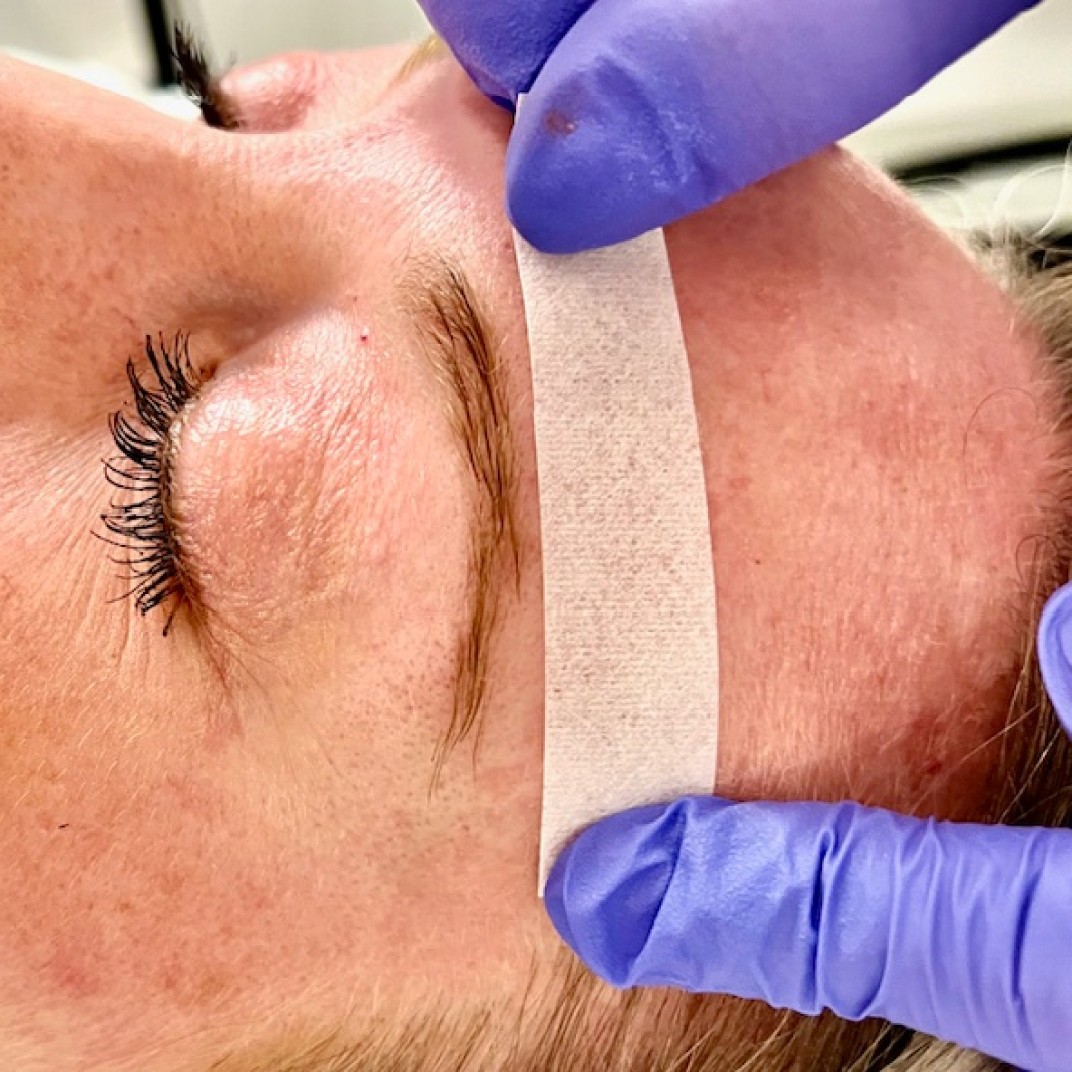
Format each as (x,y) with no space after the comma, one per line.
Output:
(238,821)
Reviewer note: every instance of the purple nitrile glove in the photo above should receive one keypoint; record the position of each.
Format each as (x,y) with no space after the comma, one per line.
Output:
(642,111)
(958,930)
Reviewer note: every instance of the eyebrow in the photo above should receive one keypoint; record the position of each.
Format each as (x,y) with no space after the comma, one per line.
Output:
(425,52)
(458,341)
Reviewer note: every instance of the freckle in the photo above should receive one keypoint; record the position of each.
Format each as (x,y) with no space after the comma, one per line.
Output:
(209,988)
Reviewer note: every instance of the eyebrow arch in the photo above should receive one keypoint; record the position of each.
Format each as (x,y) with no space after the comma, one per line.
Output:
(457,338)
(424,53)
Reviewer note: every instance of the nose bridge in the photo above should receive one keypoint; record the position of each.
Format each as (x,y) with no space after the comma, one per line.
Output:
(151,207)
(116,221)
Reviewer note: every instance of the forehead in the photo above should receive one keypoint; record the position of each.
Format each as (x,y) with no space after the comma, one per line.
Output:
(877,451)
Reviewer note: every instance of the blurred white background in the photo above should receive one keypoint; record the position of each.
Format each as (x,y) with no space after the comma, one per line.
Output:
(115,32)
(1013,95)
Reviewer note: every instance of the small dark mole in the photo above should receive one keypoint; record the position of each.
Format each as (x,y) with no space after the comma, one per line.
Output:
(557,123)
(63,826)
(758,561)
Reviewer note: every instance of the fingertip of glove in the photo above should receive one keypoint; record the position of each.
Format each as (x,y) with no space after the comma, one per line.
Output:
(1055,652)
(606,888)
(562,195)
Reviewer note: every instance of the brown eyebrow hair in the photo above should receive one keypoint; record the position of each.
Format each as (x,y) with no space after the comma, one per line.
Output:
(458,340)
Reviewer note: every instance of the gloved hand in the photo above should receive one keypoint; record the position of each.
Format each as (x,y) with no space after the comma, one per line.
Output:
(961,931)
(642,111)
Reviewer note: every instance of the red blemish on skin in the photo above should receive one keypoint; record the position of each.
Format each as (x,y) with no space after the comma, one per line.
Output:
(73,974)
(365,333)
(559,124)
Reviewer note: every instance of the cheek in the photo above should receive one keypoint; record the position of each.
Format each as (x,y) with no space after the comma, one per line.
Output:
(191,878)
(187,890)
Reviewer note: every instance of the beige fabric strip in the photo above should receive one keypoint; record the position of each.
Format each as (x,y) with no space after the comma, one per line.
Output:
(631,645)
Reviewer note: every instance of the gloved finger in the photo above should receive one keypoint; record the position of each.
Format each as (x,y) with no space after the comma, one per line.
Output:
(1055,652)
(503,44)
(649,110)
(960,931)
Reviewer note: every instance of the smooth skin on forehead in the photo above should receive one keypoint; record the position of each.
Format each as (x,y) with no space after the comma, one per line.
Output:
(184,851)
(877,438)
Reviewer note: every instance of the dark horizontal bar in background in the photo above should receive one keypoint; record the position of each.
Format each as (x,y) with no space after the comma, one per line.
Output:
(1012,153)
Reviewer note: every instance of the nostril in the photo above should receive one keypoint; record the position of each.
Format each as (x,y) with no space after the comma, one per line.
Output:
(275,94)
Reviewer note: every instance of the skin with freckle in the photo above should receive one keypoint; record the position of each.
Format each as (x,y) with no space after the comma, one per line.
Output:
(233,825)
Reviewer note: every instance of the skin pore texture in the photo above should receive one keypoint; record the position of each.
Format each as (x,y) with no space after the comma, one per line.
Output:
(207,835)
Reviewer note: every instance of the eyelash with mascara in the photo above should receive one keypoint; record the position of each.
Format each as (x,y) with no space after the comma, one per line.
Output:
(200,83)
(139,520)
